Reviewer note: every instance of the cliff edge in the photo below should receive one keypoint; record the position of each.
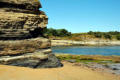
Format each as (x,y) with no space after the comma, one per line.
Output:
(21,35)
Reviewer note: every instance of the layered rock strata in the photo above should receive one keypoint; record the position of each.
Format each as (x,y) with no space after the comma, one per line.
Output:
(20,18)
(21,35)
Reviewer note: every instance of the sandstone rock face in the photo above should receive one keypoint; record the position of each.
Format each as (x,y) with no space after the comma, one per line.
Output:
(23,4)
(21,35)
(18,47)
(37,59)
(19,18)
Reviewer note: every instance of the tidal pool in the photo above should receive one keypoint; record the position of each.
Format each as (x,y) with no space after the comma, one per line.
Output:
(87,50)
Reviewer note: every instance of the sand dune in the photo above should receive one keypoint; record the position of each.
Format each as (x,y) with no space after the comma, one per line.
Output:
(68,72)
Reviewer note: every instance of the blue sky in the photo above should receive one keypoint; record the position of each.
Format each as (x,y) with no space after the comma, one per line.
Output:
(83,15)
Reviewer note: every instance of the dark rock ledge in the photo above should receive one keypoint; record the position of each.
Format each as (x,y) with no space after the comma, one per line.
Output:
(32,60)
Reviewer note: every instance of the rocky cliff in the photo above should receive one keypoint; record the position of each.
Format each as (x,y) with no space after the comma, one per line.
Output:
(21,35)
(20,18)
(85,43)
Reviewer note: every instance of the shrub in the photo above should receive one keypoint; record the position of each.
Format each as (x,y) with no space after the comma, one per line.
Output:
(57,32)
(118,37)
(91,33)
(107,36)
(98,34)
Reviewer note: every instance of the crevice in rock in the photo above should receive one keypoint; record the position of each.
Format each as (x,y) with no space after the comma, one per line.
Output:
(38,32)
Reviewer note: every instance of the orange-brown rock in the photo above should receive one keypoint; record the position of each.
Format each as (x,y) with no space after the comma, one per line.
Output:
(20,18)
(21,35)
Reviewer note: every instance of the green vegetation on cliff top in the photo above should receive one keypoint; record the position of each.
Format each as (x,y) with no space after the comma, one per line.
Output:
(66,35)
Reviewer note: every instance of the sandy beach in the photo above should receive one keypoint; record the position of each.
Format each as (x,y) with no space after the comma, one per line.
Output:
(68,72)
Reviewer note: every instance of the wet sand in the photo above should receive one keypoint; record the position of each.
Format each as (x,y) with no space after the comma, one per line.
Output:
(68,72)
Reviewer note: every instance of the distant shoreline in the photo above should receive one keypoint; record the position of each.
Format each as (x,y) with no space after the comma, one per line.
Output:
(84,43)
